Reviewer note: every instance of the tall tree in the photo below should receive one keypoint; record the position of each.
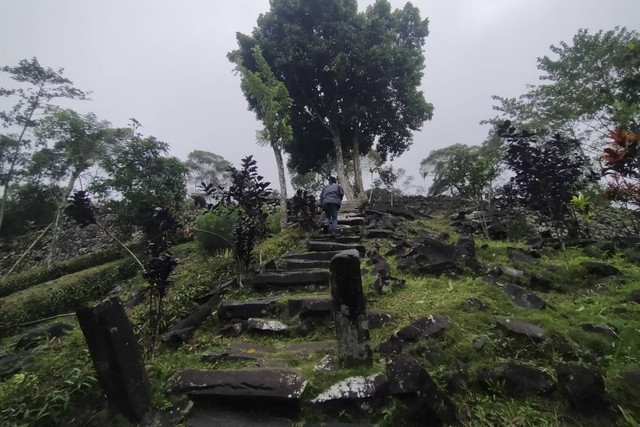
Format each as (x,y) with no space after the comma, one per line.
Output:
(587,88)
(269,98)
(204,166)
(79,142)
(353,78)
(43,85)
(140,177)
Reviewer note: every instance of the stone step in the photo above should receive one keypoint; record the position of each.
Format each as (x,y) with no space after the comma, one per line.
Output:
(338,239)
(379,234)
(319,255)
(310,307)
(324,246)
(353,221)
(302,264)
(233,310)
(278,387)
(288,279)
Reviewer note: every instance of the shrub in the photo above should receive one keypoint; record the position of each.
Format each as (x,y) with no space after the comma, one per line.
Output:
(67,295)
(220,222)
(34,276)
(274,221)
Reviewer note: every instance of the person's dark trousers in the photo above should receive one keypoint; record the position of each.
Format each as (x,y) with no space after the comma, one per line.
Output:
(331,216)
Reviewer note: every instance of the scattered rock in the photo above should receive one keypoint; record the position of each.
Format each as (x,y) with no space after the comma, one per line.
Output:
(310,307)
(521,329)
(520,256)
(379,234)
(266,325)
(33,337)
(600,269)
(378,319)
(12,364)
(170,417)
(232,330)
(519,380)
(354,388)
(477,304)
(420,329)
(521,297)
(584,387)
(539,281)
(182,331)
(406,376)
(605,330)
(327,364)
(635,296)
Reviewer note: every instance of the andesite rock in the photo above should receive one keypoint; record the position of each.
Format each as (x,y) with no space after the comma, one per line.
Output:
(215,417)
(266,325)
(290,278)
(182,331)
(521,329)
(600,269)
(281,385)
(519,380)
(117,357)
(31,338)
(605,330)
(243,310)
(355,388)
(521,297)
(349,311)
(478,304)
(584,387)
(407,376)
(423,328)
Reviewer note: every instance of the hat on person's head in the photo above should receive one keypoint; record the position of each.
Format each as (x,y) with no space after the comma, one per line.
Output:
(332,180)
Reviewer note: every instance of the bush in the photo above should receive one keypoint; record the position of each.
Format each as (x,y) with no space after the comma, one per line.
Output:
(34,276)
(274,221)
(221,222)
(67,295)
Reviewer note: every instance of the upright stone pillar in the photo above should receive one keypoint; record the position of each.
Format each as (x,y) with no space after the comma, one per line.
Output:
(116,357)
(349,311)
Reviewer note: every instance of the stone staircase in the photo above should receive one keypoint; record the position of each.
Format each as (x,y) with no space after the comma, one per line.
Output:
(297,301)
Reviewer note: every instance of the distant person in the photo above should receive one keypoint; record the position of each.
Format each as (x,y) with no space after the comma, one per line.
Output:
(330,200)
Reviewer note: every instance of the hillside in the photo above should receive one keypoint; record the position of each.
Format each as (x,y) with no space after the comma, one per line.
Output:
(463,330)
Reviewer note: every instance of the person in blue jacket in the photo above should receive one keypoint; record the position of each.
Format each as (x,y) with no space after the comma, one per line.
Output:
(330,200)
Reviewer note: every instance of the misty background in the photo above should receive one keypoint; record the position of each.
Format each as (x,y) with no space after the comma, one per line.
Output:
(164,63)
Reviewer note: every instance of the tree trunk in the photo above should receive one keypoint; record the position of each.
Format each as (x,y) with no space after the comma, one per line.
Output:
(342,176)
(357,170)
(5,193)
(56,222)
(3,204)
(283,184)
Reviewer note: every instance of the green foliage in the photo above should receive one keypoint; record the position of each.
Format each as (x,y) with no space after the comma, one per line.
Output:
(248,195)
(274,222)
(34,276)
(587,87)
(43,85)
(30,204)
(204,166)
(60,383)
(360,88)
(546,174)
(65,294)
(144,178)
(221,222)
(462,170)
(304,211)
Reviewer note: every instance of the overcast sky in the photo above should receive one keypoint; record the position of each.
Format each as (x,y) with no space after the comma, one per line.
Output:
(164,62)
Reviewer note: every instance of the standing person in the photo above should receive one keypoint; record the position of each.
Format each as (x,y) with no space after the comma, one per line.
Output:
(330,200)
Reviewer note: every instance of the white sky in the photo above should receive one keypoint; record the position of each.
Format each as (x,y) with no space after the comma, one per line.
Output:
(164,62)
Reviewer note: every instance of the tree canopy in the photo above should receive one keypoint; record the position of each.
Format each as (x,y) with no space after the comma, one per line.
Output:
(589,87)
(353,77)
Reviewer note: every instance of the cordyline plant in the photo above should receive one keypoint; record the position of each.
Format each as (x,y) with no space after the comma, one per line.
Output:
(304,210)
(160,263)
(622,167)
(249,196)
(546,174)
